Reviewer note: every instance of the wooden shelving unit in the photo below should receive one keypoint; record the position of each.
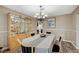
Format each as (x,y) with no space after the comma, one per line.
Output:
(18,27)
(29,22)
(13,24)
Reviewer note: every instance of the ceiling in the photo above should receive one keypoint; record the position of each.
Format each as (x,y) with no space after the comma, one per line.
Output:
(50,10)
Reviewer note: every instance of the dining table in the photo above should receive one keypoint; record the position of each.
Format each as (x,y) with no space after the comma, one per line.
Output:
(39,44)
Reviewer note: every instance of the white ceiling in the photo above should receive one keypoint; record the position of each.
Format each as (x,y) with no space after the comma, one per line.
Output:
(50,10)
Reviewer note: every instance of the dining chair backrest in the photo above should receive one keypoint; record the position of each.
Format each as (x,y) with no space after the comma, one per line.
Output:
(60,39)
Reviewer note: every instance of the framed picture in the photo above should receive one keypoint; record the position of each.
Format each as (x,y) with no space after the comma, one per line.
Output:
(52,23)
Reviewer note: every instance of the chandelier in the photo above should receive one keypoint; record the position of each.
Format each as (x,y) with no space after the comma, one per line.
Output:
(40,16)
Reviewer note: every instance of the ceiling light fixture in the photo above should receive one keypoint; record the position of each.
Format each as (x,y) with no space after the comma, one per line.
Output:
(40,16)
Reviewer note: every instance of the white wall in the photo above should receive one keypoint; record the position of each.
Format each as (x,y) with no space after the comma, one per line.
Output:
(75,27)
(64,27)
(3,29)
(77,30)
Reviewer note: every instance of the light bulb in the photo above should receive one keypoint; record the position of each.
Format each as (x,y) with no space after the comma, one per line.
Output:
(37,14)
(46,15)
(43,16)
(42,13)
